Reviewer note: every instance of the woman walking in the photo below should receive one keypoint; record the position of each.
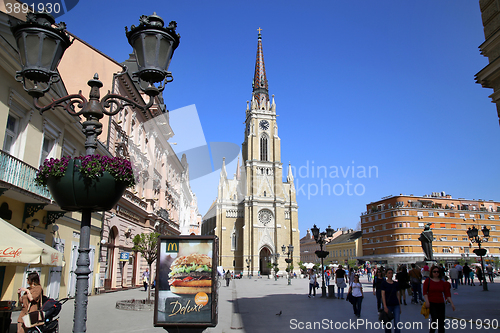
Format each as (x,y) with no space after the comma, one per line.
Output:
(357,292)
(340,280)
(377,287)
(312,283)
(434,289)
(30,300)
(479,273)
(403,278)
(390,299)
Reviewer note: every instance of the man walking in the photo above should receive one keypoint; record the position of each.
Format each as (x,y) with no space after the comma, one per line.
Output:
(416,281)
(460,269)
(454,277)
(228,277)
(145,279)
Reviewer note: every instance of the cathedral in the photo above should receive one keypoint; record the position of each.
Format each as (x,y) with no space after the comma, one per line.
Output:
(255,213)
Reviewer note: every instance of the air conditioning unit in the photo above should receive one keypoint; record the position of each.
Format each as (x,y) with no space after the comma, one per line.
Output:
(461,247)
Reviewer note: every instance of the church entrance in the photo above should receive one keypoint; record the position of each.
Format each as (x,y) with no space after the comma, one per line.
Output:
(264,259)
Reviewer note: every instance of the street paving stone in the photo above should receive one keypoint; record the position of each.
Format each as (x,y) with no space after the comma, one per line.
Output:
(255,304)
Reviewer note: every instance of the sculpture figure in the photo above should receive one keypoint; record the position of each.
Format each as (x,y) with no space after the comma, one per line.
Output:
(426,238)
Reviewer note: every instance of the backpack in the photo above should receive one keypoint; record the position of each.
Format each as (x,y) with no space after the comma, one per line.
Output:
(51,307)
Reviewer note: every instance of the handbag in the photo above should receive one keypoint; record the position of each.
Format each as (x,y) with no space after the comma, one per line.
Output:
(425,311)
(385,317)
(34,318)
(349,298)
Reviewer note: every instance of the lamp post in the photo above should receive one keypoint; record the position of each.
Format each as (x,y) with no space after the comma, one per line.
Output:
(474,237)
(41,43)
(288,259)
(248,261)
(275,258)
(321,239)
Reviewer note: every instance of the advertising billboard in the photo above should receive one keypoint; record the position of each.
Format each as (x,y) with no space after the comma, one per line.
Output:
(186,281)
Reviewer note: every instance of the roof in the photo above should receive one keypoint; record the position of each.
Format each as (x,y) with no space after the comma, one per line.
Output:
(347,237)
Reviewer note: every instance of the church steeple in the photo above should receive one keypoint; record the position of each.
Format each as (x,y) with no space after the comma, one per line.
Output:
(259,84)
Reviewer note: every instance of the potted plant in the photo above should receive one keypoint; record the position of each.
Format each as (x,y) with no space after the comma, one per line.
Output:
(92,182)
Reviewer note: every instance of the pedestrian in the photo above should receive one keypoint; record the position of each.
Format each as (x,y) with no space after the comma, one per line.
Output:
(312,283)
(351,276)
(228,277)
(479,274)
(425,271)
(145,279)
(377,287)
(434,289)
(460,269)
(454,277)
(489,270)
(402,277)
(327,277)
(30,300)
(390,299)
(356,289)
(416,284)
(467,271)
(471,276)
(443,271)
(369,273)
(340,280)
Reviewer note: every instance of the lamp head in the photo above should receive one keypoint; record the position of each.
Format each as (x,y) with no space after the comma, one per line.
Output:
(154,46)
(41,43)
(315,232)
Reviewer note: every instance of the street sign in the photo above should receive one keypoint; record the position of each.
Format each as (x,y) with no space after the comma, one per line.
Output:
(124,256)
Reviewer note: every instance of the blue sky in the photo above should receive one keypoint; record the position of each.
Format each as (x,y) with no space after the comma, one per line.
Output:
(382,84)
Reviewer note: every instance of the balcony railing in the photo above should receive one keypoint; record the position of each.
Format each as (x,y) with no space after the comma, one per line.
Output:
(20,174)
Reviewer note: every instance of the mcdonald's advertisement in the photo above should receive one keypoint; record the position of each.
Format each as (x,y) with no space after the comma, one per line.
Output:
(186,292)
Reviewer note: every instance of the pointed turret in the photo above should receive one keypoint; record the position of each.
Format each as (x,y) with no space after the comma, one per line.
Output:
(238,169)
(289,176)
(260,87)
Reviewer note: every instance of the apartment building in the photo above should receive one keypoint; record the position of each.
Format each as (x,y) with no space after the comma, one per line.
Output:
(391,227)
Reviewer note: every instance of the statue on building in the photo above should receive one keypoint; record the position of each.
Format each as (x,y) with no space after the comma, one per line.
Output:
(426,238)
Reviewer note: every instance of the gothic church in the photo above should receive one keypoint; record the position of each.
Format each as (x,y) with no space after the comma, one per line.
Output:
(255,213)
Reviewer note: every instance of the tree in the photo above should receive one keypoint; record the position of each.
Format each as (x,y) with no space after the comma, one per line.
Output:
(352,263)
(146,245)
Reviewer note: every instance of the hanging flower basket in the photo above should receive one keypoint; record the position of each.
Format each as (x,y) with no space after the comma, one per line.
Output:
(87,182)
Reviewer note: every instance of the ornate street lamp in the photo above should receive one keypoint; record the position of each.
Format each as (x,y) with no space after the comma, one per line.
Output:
(288,260)
(275,257)
(321,239)
(41,44)
(473,234)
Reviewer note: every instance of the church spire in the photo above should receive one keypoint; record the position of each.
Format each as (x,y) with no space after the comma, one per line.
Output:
(260,87)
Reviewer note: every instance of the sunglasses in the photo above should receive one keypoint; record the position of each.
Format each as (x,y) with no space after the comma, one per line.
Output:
(435,271)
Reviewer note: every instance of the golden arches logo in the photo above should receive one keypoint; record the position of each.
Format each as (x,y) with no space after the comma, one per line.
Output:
(173,247)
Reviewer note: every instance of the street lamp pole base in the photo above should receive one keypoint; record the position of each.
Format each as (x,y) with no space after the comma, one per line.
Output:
(323,292)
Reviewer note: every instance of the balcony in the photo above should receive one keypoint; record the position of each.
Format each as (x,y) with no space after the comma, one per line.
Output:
(21,175)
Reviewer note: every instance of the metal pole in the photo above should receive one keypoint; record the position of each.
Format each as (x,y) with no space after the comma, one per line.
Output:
(82,275)
(323,287)
(289,281)
(485,285)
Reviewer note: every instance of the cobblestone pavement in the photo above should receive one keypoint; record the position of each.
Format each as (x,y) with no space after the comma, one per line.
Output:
(254,304)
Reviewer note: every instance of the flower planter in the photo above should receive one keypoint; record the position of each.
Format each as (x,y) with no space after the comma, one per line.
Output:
(74,192)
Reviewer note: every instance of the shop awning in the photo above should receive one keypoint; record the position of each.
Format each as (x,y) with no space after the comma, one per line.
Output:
(19,248)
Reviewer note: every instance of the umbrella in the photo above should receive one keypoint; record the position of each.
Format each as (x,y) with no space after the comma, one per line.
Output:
(309,265)
(19,248)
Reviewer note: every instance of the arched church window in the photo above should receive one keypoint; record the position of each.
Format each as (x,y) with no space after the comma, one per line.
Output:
(263,148)
(264,193)
(233,241)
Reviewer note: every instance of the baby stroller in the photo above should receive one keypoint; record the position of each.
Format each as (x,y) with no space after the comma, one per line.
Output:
(51,309)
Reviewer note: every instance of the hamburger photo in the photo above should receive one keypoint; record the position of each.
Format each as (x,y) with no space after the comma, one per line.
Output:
(191,274)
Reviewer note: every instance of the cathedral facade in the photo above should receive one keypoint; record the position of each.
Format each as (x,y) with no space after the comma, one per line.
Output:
(255,213)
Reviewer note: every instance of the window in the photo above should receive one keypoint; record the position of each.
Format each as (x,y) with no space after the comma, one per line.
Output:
(420,224)
(47,147)
(466,250)
(233,241)
(11,132)
(446,250)
(471,216)
(263,148)
(465,238)
(455,238)
(462,215)
(50,137)
(402,250)
(453,226)
(420,213)
(441,214)
(495,239)
(442,225)
(494,228)
(431,214)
